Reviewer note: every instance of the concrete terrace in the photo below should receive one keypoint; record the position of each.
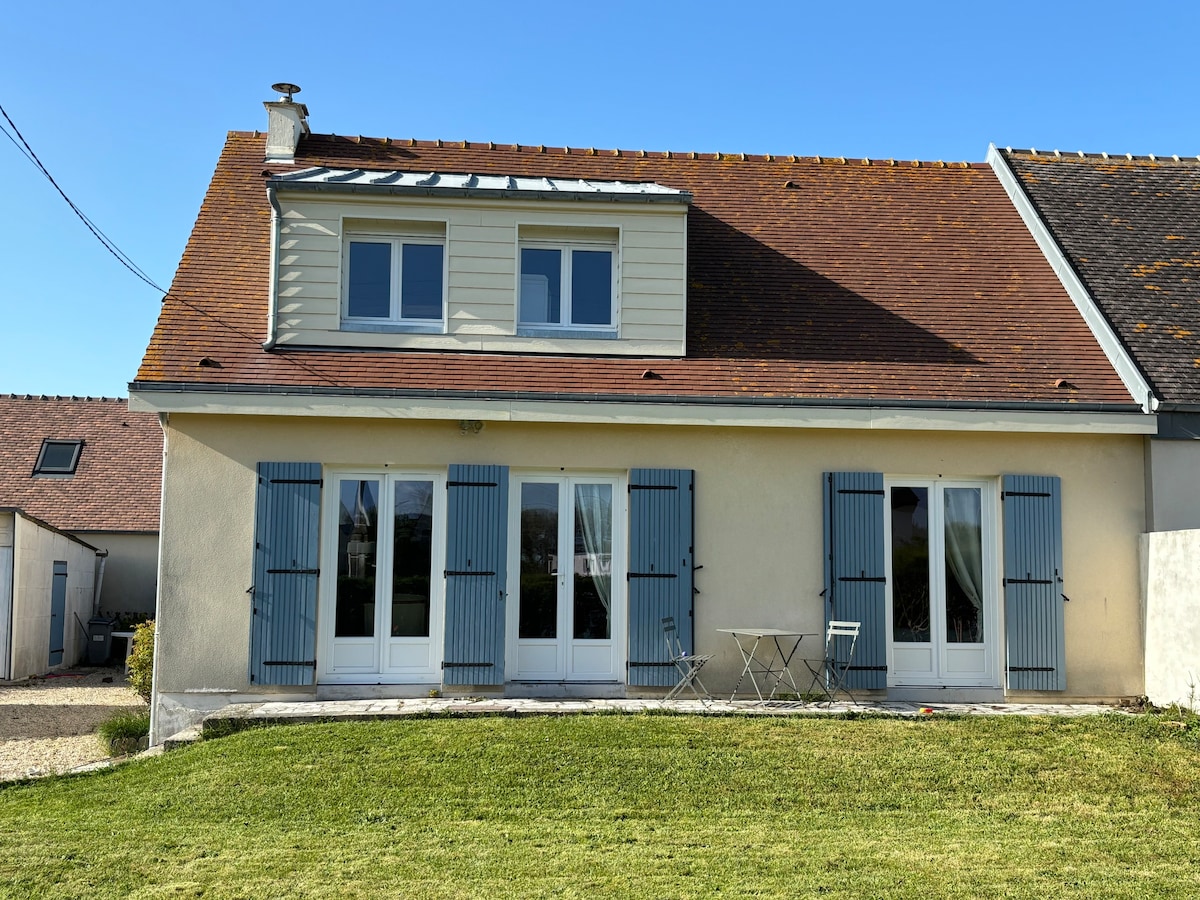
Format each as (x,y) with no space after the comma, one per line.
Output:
(358,710)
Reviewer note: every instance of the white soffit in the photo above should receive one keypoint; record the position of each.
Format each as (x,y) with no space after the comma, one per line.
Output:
(515,186)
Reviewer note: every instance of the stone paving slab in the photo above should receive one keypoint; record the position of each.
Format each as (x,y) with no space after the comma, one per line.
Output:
(349,710)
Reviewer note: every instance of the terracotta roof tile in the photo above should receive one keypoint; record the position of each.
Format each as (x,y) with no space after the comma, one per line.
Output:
(824,278)
(118,478)
(1131,229)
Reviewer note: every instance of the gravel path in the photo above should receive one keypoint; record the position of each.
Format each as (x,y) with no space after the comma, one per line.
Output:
(48,725)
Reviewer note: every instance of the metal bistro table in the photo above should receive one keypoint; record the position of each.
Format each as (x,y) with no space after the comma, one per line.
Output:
(772,663)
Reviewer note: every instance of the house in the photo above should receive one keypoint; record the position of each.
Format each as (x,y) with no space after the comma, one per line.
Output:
(401,380)
(79,497)
(1123,232)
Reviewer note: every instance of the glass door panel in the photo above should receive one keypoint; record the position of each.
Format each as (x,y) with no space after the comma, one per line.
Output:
(910,565)
(358,532)
(964,566)
(539,562)
(592,588)
(412,558)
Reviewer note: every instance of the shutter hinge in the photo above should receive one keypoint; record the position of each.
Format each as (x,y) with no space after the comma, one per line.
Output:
(320,482)
(293,571)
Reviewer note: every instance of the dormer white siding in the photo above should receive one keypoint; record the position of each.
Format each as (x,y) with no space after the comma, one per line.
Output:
(483,239)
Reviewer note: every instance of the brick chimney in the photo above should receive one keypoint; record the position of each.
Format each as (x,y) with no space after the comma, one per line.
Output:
(286,121)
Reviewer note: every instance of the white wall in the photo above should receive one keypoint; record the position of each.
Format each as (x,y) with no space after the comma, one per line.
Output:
(1173,469)
(35,550)
(6,579)
(1171,581)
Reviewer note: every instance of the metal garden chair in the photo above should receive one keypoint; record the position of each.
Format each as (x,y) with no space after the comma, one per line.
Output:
(829,673)
(688,664)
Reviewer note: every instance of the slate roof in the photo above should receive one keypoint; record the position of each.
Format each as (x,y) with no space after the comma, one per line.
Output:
(1131,230)
(809,279)
(117,481)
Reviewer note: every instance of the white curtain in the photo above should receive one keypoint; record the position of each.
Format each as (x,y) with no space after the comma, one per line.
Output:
(964,546)
(593,513)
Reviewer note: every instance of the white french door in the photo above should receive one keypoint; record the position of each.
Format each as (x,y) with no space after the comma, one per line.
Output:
(566,587)
(943,616)
(380,617)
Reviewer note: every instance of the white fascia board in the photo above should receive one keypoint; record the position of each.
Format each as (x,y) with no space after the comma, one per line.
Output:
(601,412)
(1128,371)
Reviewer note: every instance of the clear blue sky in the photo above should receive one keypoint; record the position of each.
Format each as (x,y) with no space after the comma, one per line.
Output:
(127,104)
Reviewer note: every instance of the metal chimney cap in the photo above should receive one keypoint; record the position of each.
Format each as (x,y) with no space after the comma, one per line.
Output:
(284,87)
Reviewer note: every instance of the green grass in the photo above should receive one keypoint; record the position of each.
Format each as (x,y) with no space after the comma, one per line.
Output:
(628,806)
(125,731)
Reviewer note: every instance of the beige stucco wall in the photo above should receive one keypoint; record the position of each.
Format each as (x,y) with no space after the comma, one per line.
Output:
(1173,470)
(130,573)
(1171,572)
(758,520)
(481,270)
(35,550)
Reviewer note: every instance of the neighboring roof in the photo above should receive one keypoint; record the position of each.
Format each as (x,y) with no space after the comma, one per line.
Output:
(436,184)
(118,479)
(829,279)
(1130,228)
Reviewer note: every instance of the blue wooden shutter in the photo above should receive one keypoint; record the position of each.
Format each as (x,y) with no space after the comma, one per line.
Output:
(1033,576)
(287,524)
(660,569)
(476,566)
(855,585)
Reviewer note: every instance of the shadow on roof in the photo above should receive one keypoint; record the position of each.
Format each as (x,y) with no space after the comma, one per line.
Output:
(738,286)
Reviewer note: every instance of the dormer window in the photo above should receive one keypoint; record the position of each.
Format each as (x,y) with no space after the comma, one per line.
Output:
(394,277)
(568,282)
(58,457)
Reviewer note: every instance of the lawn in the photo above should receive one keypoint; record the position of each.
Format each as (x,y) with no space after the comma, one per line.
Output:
(627,806)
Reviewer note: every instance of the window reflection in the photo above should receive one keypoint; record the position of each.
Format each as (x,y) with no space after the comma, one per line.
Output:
(412,558)
(358,530)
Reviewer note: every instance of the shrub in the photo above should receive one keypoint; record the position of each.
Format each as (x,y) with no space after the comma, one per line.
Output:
(125,732)
(141,659)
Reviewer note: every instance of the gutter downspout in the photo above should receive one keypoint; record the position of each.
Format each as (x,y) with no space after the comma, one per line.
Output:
(101,559)
(273,279)
(164,420)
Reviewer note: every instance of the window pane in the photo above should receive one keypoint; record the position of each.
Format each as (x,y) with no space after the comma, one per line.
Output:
(910,565)
(358,530)
(369,283)
(412,558)
(591,287)
(593,561)
(541,286)
(58,456)
(964,566)
(539,561)
(421,282)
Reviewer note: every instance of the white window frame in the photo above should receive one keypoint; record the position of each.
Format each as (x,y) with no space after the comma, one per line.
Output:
(567,248)
(379,671)
(566,645)
(394,321)
(993,554)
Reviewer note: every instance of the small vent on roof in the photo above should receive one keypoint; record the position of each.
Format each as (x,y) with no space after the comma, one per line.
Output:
(207,362)
(1065,385)
(651,375)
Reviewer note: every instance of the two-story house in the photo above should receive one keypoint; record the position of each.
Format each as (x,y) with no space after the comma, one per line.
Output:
(475,417)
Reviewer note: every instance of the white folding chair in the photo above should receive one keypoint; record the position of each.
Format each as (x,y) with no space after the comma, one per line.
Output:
(829,673)
(688,664)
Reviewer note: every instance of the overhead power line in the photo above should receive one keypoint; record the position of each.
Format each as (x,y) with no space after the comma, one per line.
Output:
(21,144)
